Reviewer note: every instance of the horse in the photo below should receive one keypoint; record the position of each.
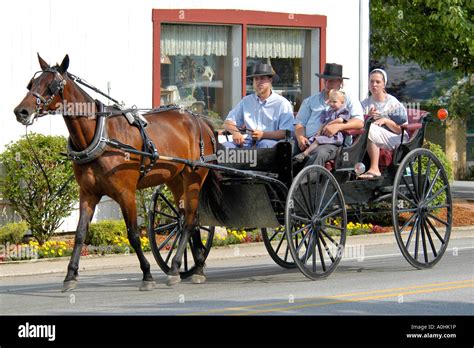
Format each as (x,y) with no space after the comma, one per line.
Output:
(118,173)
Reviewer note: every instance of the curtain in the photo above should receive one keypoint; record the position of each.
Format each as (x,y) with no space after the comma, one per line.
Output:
(198,40)
(275,43)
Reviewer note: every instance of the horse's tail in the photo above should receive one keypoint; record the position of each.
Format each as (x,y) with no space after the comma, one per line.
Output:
(212,197)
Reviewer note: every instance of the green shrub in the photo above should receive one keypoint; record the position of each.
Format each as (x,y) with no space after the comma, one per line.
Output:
(104,232)
(439,152)
(13,232)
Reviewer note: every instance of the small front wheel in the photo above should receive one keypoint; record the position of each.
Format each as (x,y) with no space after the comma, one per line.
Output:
(165,227)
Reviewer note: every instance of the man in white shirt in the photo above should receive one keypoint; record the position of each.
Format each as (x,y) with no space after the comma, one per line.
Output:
(307,121)
(264,115)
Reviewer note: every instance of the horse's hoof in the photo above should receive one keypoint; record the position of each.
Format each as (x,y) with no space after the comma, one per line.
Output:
(173,280)
(69,285)
(147,285)
(198,279)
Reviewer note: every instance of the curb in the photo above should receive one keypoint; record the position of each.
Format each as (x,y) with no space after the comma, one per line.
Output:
(96,262)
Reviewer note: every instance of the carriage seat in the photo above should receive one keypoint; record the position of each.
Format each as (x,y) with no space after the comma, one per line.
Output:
(356,143)
(415,117)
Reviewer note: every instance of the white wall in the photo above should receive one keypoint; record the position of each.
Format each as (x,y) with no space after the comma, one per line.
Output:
(111,41)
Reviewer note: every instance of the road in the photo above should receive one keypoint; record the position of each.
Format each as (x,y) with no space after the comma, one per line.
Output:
(379,283)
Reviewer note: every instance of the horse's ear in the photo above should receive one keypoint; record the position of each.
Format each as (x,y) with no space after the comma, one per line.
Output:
(64,65)
(43,64)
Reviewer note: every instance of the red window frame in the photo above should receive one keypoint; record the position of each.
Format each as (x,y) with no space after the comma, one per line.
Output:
(231,17)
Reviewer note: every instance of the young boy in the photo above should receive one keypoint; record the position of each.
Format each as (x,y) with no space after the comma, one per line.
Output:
(336,113)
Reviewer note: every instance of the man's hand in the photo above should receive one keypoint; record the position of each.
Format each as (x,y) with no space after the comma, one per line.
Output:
(237,138)
(330,129)
(257,135)
(303,142)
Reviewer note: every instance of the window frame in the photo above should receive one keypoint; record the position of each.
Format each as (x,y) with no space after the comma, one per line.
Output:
(231,17)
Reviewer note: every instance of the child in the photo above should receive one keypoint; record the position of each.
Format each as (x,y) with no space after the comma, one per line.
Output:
(336,113)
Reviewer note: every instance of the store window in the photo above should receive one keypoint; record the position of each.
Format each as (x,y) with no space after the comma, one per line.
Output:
(197,67)
(199,58)
(285,49)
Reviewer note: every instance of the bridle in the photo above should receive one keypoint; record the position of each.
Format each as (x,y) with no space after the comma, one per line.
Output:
(55,87)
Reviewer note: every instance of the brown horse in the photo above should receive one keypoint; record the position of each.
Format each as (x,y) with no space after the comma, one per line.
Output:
(116,173)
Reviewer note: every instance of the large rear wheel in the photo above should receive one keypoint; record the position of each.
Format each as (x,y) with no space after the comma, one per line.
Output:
(422,208)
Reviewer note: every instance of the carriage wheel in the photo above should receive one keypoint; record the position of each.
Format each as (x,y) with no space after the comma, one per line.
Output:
(277,246)
(165,228)
(316,221)
(422,208)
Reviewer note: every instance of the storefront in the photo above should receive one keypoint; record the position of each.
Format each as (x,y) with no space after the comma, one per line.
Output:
(201,57)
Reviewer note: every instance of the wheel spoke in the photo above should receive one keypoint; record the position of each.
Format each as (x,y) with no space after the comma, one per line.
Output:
(302,242)
(306,204)
(172,233)
(420,188)
(169,204)
(430,239)
(323,193)
(173,217)
(165,227)
(330,238)
(407,199)
(333,226)
(407,223)
(417,238)
(279,245)
(298,231)
(171,249)
(415,187)
(437,219)
(185,259)
(326,247)
(433,182)
(302,207)
(436,194)
(308,248)
(300,218)
(423,239)
(410,236)
(335,212)
(409,189)
(320,251)
(274,235)
(441,239)
(427,175)
(328,203)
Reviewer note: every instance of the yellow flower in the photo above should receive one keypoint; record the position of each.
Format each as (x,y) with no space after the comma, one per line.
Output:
(52,251)
(46,253)
(60,252)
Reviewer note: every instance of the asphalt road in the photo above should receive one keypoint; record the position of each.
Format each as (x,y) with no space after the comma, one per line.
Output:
(380,283)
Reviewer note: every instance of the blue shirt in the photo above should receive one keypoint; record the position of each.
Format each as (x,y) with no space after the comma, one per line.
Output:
(271,114)
(312,108)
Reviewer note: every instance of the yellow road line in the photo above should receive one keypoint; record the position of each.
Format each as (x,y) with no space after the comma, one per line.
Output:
(284,309)
(213,311)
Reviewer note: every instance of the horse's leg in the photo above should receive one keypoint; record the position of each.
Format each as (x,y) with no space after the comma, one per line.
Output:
(87,205)
(192,183)
(129,210)
(199,258)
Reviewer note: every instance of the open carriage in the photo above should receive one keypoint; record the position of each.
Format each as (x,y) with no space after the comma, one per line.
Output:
(303,212)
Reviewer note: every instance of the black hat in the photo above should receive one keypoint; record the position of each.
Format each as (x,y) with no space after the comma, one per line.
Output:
(332,71)
(262,70)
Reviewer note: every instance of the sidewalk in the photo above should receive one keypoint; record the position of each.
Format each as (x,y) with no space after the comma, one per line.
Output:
(463,190)
(87,263)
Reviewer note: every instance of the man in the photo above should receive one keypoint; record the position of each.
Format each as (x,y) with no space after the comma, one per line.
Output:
(308,121)
(264,115)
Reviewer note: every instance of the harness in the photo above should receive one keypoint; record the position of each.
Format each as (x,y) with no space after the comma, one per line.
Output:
(101,140)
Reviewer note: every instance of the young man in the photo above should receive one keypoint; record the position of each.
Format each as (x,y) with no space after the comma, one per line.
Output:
(308,120)
(264,114)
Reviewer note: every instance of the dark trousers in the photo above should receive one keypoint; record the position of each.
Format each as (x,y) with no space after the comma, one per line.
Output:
(321,154)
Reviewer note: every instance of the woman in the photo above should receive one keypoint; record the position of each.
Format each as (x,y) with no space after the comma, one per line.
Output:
(388,114)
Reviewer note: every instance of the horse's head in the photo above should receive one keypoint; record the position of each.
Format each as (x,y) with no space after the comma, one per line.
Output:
(45,91)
